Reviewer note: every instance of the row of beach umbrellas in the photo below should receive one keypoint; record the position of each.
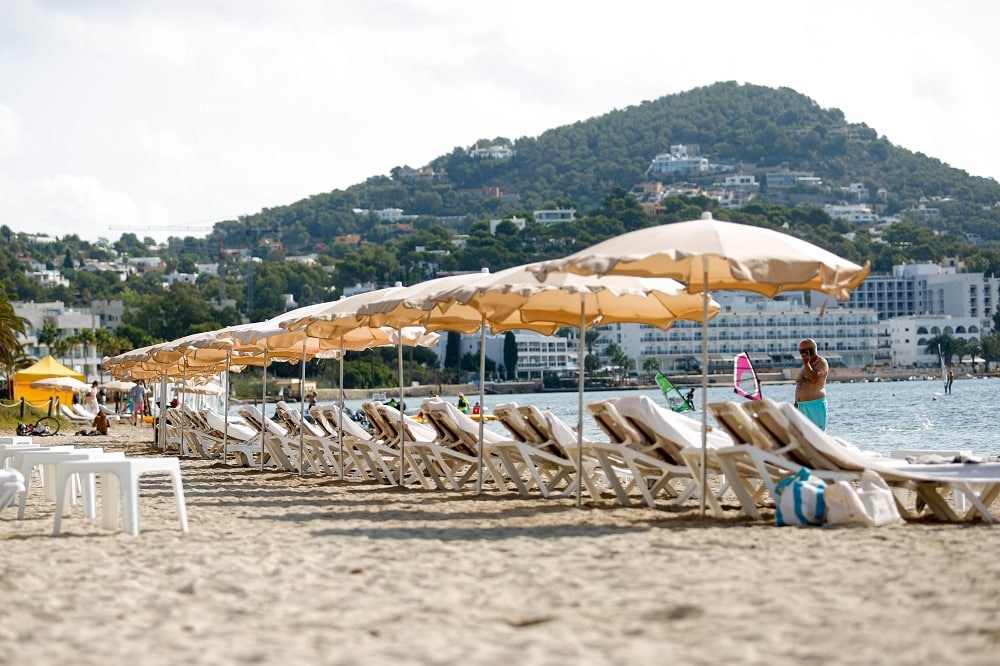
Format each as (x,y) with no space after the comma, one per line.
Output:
(653,276)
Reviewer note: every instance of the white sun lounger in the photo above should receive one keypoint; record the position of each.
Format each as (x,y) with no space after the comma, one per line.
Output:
(650,467)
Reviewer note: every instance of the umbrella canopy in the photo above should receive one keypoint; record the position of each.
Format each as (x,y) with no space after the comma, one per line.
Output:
(117,385)
(430,304)
(560,298)
(708,254)
(209,388)
(516,298)
(336,318)
(61,384)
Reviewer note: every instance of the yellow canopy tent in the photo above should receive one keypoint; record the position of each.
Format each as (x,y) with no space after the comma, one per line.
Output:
(47,367)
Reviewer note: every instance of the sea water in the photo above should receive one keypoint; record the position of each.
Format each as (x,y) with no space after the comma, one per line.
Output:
(875,416)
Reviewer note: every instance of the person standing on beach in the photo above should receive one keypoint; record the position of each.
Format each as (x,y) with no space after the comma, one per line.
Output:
(810,386)
(138,396)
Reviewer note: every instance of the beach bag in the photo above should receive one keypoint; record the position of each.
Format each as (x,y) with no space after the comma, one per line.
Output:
(801,499)
(871,504)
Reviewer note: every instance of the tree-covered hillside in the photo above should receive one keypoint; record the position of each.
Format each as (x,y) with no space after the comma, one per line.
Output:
(590,166)
(753,128)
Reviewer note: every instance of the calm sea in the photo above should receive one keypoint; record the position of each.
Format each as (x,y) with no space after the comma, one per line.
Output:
(876,416)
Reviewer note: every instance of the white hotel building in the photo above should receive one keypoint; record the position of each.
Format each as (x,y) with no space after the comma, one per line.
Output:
(768,330)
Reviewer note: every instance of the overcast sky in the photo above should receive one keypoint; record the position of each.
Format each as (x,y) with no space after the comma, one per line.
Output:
(162,117)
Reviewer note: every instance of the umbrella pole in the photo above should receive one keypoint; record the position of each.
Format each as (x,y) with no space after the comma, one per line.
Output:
(482,399)
(263,407)
(161,423)
(180,407)
(340,421)
(704,382)
(302,404)
(579,407)
(402,421)
(225,416)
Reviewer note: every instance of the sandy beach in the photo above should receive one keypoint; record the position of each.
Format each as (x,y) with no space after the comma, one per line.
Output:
(282,569)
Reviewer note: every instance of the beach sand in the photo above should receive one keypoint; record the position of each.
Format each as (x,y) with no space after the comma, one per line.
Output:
(282,569)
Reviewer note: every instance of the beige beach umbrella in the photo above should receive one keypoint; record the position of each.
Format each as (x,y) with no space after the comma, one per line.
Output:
(516,299)
(708,255)
(274,336)
(583,301)
(399,307)
(117,385)
(60,384)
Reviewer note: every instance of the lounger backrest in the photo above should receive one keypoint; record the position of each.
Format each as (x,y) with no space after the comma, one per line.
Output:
(771,417)
(563,435)
(335,418)
(282,411)
(438,418)
(453,431)
(614,424)
(383,430)
(174,417)
(251,416)
(819,445)
(320,420)
(540,422)
(511,419)
(238,429)
(770,421)
(412,431)
(732,418)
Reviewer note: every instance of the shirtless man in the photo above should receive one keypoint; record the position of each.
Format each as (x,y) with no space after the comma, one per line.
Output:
(810,386)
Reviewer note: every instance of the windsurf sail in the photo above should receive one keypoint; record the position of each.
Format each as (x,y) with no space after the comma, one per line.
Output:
(944,370)
(675,399)
(745,381)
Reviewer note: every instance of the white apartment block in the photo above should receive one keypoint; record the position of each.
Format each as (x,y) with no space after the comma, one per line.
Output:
(518,222)
(677,161)
(537,355)
(908,336)
(768,330)
(49,278)
(741,182)
(856,213)
(554,215)
(67,322)
(929,289)
(499,152)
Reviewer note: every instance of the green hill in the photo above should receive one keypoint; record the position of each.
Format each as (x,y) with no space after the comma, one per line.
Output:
(754,128)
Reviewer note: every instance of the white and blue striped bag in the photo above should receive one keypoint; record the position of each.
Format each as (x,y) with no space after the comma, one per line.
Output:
(800,499)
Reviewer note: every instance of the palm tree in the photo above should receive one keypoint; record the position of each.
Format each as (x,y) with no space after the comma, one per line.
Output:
(12,357)
(85,338)
(47,335)
(651,365)
(947,344)
(613,353)
(989,348)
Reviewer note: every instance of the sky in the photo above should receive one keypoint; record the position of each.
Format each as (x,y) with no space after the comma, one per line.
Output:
(161,118)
